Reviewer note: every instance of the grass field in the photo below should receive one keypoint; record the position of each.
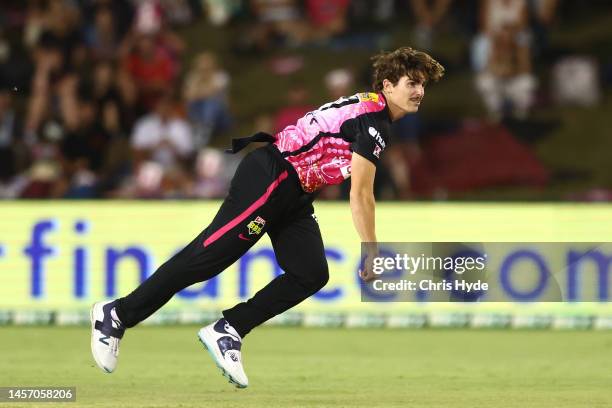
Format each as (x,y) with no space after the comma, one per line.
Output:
(298,367)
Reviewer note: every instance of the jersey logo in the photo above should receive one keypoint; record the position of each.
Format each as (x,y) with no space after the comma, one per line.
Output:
(335,163)
(368,97)
(376,135)
(346,171)
(376,151)
(256,226)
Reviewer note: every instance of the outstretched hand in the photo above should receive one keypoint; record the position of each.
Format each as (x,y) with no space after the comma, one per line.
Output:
(366,273)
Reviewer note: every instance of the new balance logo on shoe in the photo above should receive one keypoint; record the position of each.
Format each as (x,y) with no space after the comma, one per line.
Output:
(106,333)
(224,343)
(228,330)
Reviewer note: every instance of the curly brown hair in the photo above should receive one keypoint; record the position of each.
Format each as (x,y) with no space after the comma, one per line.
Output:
(393,65)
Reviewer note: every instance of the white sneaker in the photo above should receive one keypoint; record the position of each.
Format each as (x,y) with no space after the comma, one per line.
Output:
(106,332)
(223,344)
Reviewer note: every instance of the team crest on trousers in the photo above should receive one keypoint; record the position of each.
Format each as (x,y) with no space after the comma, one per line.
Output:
(256,226)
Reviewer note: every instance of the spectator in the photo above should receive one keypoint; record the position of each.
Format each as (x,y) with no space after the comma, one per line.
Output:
(404,152)
(297,106)
(205,91)
(507,84)
(122,12)
(494,16)
(113,117)
(428,16)
(219,12)
(102,37)
(58,55)
(278,22)
(104,89)
(328,18)
(162,136)
(368,23)
(34,23)
(367,13)
(152,180)
(211,174)
(13,154)
(178,12)
(339,82)
(147,71)
(42,180)
(16,68)
(575,81)
(44,177)
(542,15)
(84,151)
(146,182)
(148,17)
(150,56)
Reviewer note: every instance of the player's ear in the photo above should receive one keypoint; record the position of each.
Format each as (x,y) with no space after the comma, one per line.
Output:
(387,85)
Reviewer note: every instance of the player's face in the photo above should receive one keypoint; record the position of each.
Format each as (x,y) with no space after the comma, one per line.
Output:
(406,95)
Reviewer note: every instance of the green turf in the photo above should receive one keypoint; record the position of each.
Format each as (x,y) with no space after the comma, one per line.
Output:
(293,367)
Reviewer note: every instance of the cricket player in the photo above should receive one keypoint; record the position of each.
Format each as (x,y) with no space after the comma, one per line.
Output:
(272,193)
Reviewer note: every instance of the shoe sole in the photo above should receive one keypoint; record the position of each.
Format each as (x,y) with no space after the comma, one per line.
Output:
(224,372)
(93,340)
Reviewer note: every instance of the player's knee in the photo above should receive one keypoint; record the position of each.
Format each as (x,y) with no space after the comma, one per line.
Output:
(318,278)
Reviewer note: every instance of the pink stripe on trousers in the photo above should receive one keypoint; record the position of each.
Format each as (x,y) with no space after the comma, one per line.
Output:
(258,203)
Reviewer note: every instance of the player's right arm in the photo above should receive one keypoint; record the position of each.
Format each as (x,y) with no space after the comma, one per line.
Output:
(363,208)
(369,140)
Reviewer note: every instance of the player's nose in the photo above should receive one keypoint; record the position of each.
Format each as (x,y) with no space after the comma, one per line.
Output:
(419,90)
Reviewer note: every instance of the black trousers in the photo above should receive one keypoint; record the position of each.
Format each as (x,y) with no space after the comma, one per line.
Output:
(264,197)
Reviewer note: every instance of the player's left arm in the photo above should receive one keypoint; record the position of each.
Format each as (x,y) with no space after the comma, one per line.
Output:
(362,204)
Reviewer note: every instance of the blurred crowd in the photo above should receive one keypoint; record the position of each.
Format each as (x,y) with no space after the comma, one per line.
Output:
(97,99)
(110,110)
